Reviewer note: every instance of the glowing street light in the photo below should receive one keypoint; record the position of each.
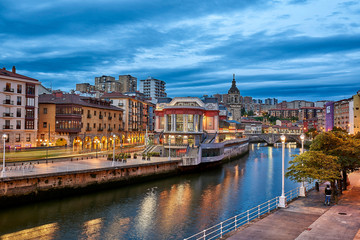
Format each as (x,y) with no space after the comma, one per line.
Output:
(282,198)
(302,192)
(113,162)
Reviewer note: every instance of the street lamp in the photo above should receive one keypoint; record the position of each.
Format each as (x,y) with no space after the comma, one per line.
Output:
(169,147)
(114,136)
(302,192)
(4,136)
(282,198)
(97,145)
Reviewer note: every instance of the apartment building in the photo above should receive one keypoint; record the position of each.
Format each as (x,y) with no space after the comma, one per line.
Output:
(128,83)
(79,122)
(152,88)
(19,109)
(137,114)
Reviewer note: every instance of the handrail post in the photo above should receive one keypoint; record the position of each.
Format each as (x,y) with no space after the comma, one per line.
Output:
(258,211)
(221,227)
(248,217)
(204,237)
(268,206)
(235,222)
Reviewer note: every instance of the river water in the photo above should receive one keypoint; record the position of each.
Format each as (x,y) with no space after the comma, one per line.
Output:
(171,208)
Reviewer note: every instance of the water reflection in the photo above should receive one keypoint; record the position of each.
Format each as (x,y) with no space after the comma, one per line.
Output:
(171,208)
(43,232)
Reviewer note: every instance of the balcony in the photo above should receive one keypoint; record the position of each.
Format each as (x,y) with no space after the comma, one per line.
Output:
(68,130)
(109,129)
(120,104)
(18,126)
(101,116)
(8,126)
(100,129)
(8,102)
(89,116)
(120,129)
(110,117)
(88,129)
(8,89)
(8,114)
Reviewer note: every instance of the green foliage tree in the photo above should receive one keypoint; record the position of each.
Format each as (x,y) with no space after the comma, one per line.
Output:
(243,112)
(341,145)
(314,165)
(250,113)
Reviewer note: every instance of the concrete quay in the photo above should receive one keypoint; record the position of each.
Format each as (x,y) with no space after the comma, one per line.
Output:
(308,218)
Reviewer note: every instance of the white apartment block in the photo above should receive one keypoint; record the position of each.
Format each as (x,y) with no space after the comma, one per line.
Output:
(18,109)
(152,88)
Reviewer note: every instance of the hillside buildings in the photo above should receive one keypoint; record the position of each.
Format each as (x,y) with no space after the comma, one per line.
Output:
(18,109)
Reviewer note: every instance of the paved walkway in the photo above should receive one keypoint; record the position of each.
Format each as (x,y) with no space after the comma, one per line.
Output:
(76,165)
(308,218)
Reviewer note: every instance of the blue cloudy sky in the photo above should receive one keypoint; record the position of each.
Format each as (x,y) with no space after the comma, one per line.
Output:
(290,49)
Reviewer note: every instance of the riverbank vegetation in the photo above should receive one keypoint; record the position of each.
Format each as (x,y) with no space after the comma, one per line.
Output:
(332,156)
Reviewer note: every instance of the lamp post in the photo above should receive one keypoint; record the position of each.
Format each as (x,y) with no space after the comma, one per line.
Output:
(97,145)
(4,136)
(169,146)
(302,192)
(282,198)
(114,136)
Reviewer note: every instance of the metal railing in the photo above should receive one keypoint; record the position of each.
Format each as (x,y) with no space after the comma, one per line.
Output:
(231,224)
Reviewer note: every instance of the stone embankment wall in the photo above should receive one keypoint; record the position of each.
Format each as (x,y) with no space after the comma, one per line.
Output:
(13,187)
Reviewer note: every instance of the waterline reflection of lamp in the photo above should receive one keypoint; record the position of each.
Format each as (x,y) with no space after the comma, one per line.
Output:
(302,191)
(282,198)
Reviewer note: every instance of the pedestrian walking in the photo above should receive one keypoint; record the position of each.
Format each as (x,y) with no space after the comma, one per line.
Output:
(327,195)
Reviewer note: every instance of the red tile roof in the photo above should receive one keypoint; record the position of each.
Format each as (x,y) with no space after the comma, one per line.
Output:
(4,72)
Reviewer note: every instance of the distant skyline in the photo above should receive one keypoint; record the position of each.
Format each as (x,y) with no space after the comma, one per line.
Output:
(290,49)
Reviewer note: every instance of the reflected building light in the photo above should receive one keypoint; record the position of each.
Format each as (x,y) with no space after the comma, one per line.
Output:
(46,231)
(117,229)
(147,212)
(92,229)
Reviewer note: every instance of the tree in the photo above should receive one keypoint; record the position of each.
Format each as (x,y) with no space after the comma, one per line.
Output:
(243,112)
(341,145)
(250,113)
(314,165)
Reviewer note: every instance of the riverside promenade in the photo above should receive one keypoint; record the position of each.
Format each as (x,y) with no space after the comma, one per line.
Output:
(308,218)
(53,167)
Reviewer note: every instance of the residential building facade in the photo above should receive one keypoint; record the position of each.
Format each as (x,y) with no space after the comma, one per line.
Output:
(128,83)
(107,84)
(19,109)
(152,88)
(356,110)
(80,122)
(137,116)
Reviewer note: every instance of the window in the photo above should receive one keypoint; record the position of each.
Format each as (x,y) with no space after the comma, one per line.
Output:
(30,113)
(44,124)
(94,113)
(18,101)
(28,137)
(30,89)
(17,139)
(94,125)
(29,124)
(18,112)
(45,110)
(19,88)
(30,102)
(18,124)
